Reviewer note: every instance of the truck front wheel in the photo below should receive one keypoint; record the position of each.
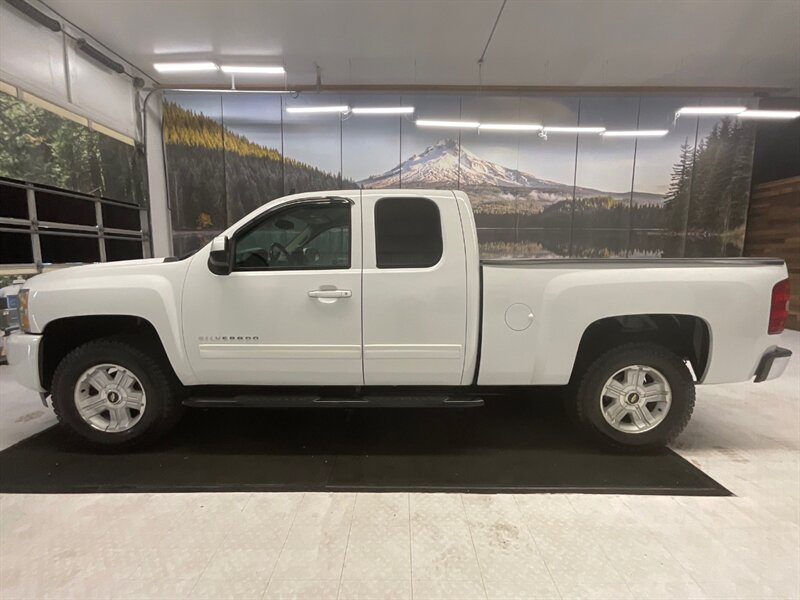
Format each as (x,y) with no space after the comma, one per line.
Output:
(639,395)
(112,394)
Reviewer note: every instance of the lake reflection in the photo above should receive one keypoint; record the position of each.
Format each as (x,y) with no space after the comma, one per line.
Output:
(602,243)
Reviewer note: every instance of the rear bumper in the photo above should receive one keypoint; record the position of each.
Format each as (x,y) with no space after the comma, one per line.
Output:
(23,358)
(772,364)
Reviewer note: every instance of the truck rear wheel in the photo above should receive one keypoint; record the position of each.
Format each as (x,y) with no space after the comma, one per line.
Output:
(639,395)
(112,394)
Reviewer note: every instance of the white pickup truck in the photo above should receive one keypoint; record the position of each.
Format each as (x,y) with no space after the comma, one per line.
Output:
(378,297)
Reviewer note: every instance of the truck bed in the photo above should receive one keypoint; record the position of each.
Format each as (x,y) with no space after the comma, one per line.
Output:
(535,311)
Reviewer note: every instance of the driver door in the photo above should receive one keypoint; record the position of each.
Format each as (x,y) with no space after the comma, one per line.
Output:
(289,313)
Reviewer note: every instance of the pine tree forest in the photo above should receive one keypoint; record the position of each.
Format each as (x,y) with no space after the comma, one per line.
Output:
(41,147)
(217,176)
(710,185)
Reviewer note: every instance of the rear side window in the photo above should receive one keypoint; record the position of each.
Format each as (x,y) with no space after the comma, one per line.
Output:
(408,233)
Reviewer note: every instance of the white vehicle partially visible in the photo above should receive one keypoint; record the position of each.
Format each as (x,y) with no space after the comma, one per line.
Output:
(9,313)
(379,298)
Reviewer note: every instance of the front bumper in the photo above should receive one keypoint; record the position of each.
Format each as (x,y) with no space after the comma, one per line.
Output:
(23,358)
(772,364)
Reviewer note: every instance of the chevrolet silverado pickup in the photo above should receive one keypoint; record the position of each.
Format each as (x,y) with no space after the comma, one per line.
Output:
(379,298)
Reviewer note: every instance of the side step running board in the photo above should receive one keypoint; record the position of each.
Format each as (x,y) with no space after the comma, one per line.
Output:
(286,401)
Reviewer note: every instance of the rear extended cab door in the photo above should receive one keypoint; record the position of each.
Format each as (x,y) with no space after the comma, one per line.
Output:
(414,288)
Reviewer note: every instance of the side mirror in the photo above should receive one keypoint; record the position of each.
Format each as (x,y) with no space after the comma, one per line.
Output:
(220,259)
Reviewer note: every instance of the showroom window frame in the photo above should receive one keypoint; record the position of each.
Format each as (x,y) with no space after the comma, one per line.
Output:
(36,228)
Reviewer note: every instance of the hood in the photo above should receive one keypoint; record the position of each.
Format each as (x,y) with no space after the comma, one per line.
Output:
(126,267)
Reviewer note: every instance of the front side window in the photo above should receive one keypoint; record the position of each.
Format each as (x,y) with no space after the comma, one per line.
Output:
(306,236)
(408,233)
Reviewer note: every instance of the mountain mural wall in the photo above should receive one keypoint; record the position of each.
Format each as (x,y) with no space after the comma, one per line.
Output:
(225,163)
(446,160)
(216,176)
(493,188)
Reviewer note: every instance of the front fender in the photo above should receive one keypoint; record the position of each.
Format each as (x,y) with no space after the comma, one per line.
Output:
(151,292)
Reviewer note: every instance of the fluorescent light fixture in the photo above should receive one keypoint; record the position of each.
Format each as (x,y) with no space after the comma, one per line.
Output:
(450,124)
(184,67)
(637,133)
(226,91)
(383,110)
(510,126)
(317,109)
(574,129)
(252,70)
(770,114)
(711,110)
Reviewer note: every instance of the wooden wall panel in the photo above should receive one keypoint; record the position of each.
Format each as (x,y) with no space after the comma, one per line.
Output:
(773,229)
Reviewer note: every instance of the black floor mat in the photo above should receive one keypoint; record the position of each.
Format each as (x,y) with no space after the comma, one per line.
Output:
(507,446)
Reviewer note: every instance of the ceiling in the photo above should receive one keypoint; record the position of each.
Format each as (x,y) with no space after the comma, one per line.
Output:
(698,43)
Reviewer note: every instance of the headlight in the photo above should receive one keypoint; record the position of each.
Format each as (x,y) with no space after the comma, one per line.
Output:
(24,313)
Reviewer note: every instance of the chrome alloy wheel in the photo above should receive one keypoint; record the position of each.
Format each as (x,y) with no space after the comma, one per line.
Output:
(635,399)
(110,398)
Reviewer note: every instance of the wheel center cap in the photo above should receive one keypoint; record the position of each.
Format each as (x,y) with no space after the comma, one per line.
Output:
(113,397)
(633,398)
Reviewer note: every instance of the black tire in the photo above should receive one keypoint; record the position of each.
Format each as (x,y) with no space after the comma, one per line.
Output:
(587,399)
(162,410)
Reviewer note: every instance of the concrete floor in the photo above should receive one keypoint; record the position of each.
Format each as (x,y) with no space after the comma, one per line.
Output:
(295,545)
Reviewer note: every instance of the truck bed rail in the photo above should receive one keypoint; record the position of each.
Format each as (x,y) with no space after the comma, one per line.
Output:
(744,261)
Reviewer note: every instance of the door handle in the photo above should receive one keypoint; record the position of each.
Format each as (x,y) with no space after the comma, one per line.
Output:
(330,294)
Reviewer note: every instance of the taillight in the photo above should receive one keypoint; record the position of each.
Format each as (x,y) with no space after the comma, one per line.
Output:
(779,307)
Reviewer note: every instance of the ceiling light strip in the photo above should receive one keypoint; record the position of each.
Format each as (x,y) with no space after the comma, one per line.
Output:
(448,124)
(382,110)
(252,70)
(317,109)
(636,133)
(510,126)
(711,110)
(226,91)
(184,67)
(559,129)
(770,114)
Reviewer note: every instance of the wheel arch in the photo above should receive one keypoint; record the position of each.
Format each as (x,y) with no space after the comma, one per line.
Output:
(688,336)
(63,335)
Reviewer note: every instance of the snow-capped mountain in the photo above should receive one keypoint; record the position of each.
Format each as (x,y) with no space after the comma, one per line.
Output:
(439,164)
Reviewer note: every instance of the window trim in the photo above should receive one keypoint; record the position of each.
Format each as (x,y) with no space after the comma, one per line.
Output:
(375,229)
(320,201)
